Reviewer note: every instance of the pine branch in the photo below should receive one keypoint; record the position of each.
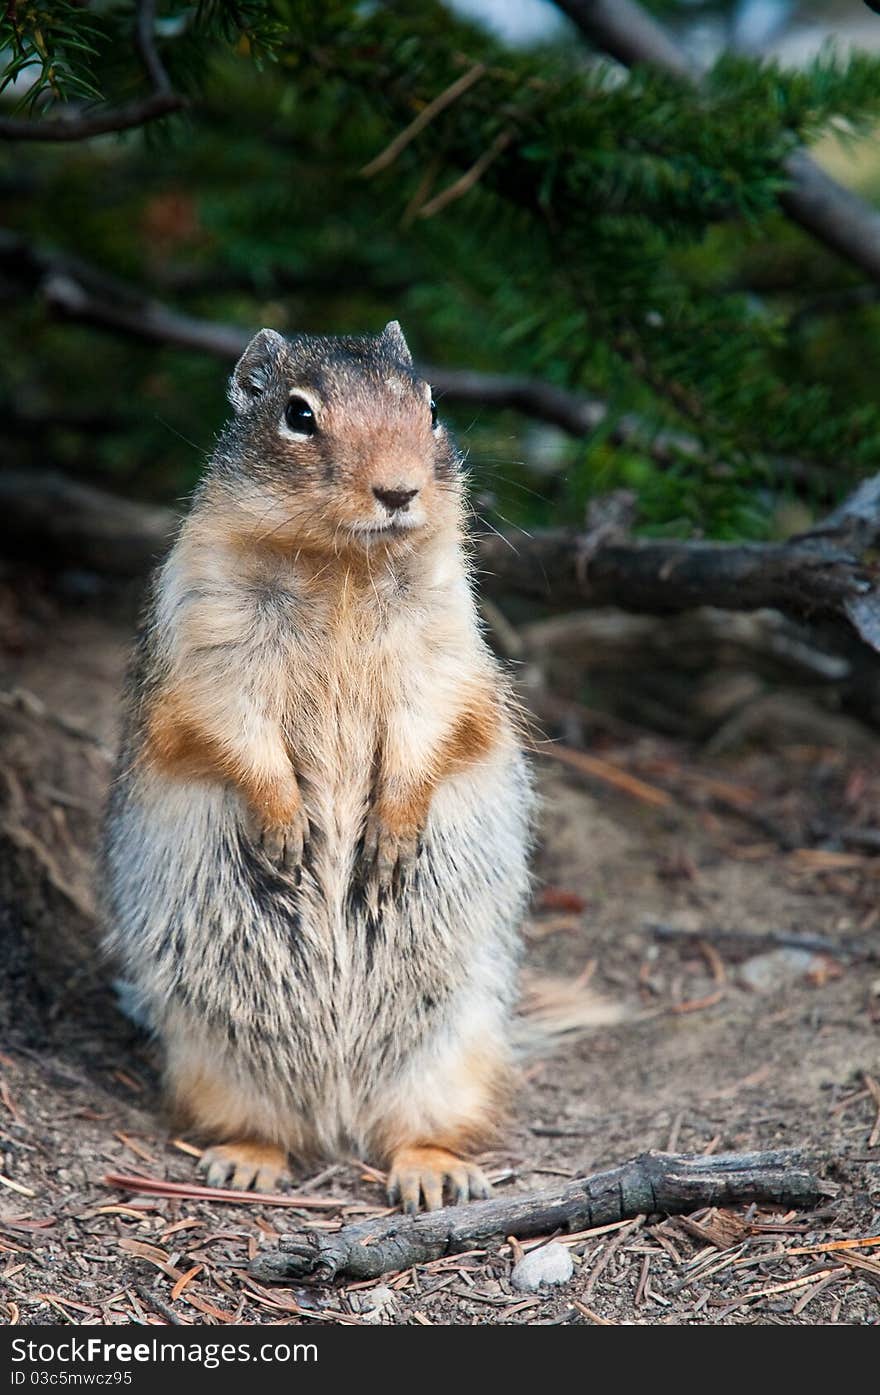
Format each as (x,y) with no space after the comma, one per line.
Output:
(77,125)
(813,200)
(75,290)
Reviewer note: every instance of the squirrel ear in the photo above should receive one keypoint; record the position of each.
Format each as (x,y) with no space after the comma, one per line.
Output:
(392,338)
(251,374)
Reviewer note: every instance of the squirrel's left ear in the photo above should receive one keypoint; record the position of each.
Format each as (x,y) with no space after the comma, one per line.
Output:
(251,374)
(392,338)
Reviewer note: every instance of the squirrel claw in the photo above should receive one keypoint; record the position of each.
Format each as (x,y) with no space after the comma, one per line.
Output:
(389,856)
(258,1167)
(422,1173)
(286,845)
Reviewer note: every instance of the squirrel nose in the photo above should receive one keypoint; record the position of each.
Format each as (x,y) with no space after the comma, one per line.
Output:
(394,499)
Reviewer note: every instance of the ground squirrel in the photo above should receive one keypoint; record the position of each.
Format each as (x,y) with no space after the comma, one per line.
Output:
(315,856)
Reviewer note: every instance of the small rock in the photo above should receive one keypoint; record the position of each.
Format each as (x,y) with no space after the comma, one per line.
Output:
(549,1264)
(377,1304)
(767,973)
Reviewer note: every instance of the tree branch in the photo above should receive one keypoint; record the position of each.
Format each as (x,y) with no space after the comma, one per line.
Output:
(77,291)
(815,201)
(624,30)
(145,39)
(651,1183)
(77,125)
(150,320)
(142,318)
(66,524)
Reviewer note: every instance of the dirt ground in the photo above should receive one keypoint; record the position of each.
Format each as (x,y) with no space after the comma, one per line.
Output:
(763,842)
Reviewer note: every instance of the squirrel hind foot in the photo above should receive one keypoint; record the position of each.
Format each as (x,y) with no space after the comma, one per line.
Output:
(424,1172)
(245,1166)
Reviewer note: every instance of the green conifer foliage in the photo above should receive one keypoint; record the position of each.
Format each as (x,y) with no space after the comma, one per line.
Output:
(614,233)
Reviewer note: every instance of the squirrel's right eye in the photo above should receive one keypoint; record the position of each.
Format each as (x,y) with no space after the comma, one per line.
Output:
(300,417)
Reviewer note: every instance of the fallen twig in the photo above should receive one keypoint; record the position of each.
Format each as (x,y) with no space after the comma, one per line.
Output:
(650,1183)
(606,772)
(157,1186)
(155,1300)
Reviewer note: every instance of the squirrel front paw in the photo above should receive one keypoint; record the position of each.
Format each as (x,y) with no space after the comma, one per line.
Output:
(283,843)
(426,1172)
(245,1166)
(389,852)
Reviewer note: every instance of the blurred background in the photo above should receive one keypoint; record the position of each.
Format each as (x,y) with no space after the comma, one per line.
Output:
(616,234)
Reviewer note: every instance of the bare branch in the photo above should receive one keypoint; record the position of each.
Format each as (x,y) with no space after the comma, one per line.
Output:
(75,525)
(143,319)
(815,201)
(651,1183)
(145,38)
(572,412)
(623,29)
(834,215)
(83,127)
(803,577)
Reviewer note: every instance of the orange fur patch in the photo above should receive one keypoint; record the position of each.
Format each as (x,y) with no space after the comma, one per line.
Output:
(406,816)
(424,1158)
(493,1079)
(278,804)
(177,745)
(201,1104)
(472,737)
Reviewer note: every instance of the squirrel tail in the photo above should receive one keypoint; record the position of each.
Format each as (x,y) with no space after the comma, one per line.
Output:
(554,1012)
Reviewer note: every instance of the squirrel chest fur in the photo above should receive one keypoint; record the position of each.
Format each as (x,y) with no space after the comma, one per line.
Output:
(315,849)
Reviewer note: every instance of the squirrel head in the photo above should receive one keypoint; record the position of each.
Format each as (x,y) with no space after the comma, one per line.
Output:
(336,444)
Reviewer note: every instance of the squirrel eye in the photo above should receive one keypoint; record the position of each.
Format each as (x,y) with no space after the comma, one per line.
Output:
(433,412)
(300,417)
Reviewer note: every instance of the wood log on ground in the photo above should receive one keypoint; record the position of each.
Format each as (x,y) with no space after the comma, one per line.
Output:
(816,575)
(808,578)
(651,1183)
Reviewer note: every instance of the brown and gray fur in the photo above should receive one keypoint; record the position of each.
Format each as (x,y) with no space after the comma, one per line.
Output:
(316,843)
